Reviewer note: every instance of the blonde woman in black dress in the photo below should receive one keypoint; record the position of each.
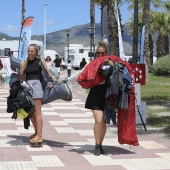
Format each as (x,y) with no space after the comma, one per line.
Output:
(96,102)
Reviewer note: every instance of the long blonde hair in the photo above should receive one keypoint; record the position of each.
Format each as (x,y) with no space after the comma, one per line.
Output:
(24,63)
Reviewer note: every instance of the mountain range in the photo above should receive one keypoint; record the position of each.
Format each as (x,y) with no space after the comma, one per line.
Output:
(78,35)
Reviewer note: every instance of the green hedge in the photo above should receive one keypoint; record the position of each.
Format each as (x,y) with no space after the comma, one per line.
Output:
(162,66)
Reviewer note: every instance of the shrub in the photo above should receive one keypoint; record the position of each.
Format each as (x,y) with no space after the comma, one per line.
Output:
(162,66)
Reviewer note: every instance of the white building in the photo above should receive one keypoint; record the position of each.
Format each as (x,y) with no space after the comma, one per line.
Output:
(13,45)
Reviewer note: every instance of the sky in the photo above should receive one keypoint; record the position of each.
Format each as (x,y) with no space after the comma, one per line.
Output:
(60,14)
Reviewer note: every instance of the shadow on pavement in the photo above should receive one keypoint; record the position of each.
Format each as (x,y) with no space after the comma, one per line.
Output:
(24,140)
(108,150)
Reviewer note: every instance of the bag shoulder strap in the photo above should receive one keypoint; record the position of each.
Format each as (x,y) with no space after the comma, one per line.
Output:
(44,72)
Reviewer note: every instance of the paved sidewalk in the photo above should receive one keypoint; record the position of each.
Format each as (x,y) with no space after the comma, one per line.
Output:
(69,142)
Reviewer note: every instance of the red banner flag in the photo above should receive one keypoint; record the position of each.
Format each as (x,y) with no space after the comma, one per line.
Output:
(139,73)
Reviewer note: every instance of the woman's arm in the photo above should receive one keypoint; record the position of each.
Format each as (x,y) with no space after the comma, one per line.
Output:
(22,69)
(52,63)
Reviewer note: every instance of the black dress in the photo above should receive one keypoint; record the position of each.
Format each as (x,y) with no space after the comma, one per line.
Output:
(96,97)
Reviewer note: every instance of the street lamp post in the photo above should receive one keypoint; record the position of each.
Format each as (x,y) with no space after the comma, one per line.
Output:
(67,33)
(45,5)
(91,32)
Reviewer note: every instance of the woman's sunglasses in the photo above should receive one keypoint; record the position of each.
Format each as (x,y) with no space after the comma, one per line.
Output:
(100,53)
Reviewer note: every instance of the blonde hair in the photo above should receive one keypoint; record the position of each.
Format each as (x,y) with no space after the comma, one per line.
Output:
(27,59)
(102,44)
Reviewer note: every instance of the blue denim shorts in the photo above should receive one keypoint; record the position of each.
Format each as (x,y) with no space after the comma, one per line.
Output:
(37,91)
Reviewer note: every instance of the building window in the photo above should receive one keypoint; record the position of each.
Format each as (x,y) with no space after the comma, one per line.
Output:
(7,50)
(81,50)
(71,57)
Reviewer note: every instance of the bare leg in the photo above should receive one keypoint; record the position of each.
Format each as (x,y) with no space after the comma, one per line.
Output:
(38,120)
(34,125)
(103,131)
(99,126)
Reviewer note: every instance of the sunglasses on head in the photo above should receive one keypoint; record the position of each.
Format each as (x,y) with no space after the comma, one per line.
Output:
(100,53)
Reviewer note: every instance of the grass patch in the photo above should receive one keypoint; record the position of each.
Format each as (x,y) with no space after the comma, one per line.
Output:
(157,93)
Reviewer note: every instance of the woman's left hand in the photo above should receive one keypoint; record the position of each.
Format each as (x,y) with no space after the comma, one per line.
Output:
(109,62)
(54,78)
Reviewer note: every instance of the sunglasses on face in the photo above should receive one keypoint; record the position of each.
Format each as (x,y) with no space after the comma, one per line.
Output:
(100,53)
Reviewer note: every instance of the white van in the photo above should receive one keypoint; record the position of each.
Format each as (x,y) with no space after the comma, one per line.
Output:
(76,53)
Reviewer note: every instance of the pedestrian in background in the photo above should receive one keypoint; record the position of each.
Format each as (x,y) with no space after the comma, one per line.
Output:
(48,61)
(7,67)
(110,115)
(58,63)
(83,63)
(69,67)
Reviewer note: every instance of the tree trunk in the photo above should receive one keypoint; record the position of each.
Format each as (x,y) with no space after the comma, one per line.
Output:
(151,46)
(112,30)
(91,13)
(103,3)
(92,23)
(159,46)
(166,45)
(146,10)
(23,11)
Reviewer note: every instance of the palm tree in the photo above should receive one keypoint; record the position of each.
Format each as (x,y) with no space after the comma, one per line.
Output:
(162,26)
(151,31)
(130,23)
(145,21)
(112,25)
(167,7)
(144,6)
(23,11)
